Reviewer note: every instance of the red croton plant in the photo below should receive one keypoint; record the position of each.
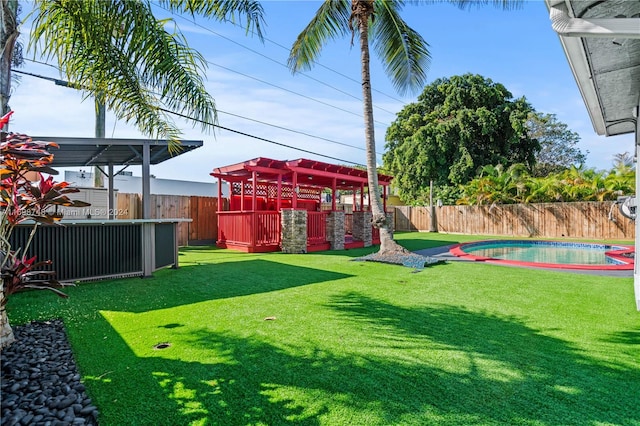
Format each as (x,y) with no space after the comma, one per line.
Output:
(26,195)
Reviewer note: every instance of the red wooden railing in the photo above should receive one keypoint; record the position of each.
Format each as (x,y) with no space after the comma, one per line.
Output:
(233,227)
(316,227)
(267,228)
(249,229)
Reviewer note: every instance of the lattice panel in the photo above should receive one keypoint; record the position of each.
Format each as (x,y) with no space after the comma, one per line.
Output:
(309,193)
(261,189)
(287,192)
(271,191)
(235,188)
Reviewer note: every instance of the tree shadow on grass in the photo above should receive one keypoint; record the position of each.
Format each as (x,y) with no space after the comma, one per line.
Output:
(513,374)
(170,288)
(428,365)
(154,389)
(628,337)
(421,365)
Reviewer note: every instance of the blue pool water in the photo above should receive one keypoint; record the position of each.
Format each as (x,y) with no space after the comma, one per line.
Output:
(545,252)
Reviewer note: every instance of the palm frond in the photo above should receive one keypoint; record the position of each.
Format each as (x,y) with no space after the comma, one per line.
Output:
(330,22)
(468,4)
(223,10)
(403,51)
(119,52)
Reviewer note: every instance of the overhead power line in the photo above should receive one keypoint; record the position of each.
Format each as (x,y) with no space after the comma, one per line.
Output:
(292,130)
(193,21)
(293,92)
(218,110)
(258,137)
(65,83)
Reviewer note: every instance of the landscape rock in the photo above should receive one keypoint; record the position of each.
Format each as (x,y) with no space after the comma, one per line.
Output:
(39,380)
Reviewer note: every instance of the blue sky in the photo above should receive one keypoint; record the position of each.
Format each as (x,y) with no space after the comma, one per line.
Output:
(321,108)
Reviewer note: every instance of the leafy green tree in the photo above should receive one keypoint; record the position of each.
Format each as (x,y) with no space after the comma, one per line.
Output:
(118,52)
(544,189)
(621,183)
(558,150)
(457,126)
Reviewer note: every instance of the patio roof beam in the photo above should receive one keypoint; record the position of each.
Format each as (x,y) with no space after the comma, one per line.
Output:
(98,154)
(320,173)
(261,169)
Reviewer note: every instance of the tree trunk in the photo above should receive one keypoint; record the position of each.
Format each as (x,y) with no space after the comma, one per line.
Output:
(6,333)
(8,37)
(387,244)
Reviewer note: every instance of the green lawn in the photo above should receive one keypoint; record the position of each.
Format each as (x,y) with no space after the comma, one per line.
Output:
(352,343)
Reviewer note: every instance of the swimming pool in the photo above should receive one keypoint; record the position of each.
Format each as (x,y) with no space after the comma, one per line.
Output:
(548,254)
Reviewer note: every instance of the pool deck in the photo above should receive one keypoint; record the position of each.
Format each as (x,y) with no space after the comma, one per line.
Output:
(443,253)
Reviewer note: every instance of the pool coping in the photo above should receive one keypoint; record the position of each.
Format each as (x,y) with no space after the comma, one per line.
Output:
(618,255)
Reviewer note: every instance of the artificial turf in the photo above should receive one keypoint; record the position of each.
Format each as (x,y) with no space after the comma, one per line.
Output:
(316,339)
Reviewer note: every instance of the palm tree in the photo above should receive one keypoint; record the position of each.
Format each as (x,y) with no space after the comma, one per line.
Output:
(623,163)
(403,51)
(8,40)
(118,52)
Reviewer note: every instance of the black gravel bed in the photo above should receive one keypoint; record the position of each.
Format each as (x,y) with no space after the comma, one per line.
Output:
(39,383)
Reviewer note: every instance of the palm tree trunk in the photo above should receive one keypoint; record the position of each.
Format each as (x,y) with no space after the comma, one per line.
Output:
(8,36)
(6,333)
(379,215)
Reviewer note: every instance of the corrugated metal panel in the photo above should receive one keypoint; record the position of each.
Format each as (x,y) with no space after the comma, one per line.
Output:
(83,252)
(165,244)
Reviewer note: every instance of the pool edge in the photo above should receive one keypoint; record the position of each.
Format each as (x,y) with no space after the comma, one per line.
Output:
(457,251)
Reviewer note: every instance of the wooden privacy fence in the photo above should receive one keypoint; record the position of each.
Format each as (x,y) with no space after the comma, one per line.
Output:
(203,228)
(549,220)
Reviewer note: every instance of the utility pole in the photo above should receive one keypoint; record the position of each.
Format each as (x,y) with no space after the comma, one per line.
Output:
(434,223)
(98,182)
(98,178)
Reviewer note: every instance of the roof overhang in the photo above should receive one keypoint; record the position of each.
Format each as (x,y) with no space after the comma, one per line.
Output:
(601,40)
(85,152)
(313,173)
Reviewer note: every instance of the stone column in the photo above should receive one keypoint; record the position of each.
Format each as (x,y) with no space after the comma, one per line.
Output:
(294,231)
(335,229)
(362,227)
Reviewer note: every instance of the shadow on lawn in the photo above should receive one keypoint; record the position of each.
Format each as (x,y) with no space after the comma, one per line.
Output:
(174,392)
(631,337)
(187,285)
(428,365)
(514,373)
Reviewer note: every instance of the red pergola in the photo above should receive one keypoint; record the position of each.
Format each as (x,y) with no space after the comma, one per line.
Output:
(262,187)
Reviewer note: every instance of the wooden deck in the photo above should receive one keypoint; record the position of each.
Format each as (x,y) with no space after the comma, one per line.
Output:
(260,232)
